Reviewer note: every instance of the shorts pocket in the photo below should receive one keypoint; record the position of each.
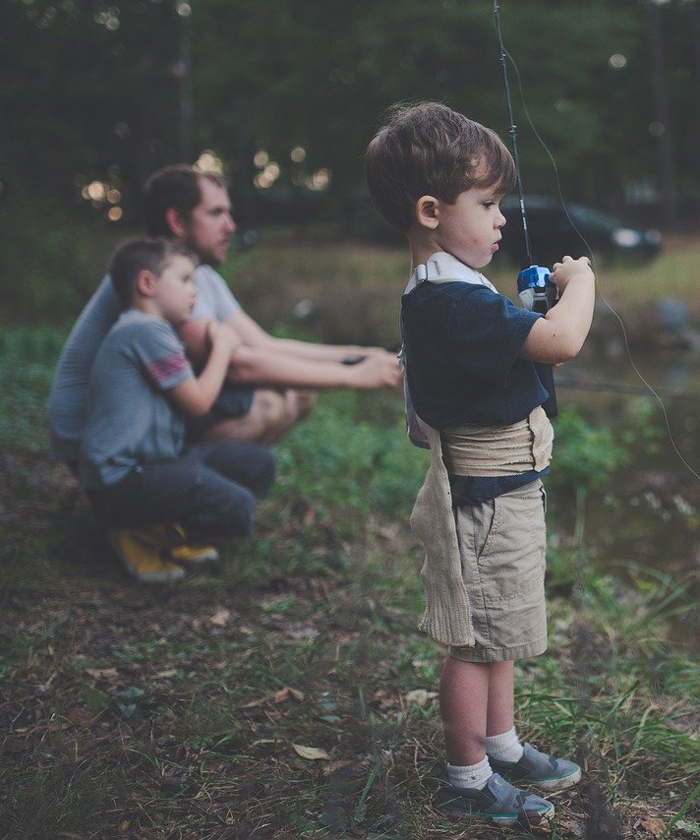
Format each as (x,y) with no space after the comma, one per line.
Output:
(484,519)
(512,559)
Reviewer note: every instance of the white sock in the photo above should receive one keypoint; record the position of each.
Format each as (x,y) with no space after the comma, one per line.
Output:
(505,747)
(470,775)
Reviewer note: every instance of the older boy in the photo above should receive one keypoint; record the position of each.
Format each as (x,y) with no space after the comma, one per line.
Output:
(471,361)
(133,462)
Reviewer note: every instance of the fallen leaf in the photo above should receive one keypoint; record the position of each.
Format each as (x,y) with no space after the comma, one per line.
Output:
(654,825)
(389,532)
(384,699)
(123,826)
(573,828)
(332,766)
(254,703)
(311,753)
(220,618)
(103,673)
(420,696)
(299,631)
(163,675)
(287,692)
(688,826)
(80,715)
(132,693)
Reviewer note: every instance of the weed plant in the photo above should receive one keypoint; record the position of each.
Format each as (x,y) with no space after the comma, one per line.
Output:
(286,693)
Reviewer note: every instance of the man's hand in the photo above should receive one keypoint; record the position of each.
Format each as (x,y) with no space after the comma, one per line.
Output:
(220,334)
(377,371)
(570,269)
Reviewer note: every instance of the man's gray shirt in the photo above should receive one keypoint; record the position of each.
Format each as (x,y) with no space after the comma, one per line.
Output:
(129,419)
(68,400)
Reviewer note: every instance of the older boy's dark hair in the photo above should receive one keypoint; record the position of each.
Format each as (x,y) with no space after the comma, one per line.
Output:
(429,149)
(142,253)
(175,186)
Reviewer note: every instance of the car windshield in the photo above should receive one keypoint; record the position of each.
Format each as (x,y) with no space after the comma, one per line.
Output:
(592,217)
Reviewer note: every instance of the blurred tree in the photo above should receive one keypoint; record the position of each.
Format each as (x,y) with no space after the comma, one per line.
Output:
(96,95)
(320,75)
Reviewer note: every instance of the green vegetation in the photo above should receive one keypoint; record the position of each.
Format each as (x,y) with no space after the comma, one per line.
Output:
(287,693)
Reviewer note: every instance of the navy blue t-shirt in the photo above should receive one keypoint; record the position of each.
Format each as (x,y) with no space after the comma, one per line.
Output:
(462,343)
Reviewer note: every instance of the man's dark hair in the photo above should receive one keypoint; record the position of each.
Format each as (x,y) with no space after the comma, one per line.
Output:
(175,186)
(429,149)
(143,253)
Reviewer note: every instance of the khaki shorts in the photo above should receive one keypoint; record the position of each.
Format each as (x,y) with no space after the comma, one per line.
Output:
(502,544)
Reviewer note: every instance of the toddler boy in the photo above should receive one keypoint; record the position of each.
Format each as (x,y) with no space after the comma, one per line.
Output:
(473,366)
(153,494)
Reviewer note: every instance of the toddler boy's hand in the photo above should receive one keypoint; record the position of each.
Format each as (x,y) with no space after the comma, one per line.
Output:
(570,269)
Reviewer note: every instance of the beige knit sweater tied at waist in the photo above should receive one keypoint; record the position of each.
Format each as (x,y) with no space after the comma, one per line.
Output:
(499,450)
(465,450)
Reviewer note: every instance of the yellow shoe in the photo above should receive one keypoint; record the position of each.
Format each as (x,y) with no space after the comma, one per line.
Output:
(140,550)
(194,554)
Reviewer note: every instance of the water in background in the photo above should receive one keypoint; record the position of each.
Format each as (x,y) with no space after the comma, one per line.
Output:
(651,512)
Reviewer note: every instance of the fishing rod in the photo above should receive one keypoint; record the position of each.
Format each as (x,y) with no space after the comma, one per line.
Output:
(535,289)
(533,282)
(572,384)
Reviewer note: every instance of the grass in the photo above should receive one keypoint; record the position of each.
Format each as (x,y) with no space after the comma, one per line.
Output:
(286,692)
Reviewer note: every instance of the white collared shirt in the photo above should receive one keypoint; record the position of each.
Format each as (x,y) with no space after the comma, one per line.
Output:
(442,267)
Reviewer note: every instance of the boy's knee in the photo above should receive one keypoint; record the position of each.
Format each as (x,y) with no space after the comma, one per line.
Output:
(238,513)
(301,404)
(271,409)
(228,515)
(265,474)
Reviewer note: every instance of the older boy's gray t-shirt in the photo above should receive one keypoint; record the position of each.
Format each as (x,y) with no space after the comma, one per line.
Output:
(67,402)
(129,419)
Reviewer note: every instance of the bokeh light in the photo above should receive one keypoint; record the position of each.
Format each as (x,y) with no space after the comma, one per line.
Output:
(209,161)
(617,61)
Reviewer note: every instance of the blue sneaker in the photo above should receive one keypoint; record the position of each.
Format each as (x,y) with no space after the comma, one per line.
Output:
(536,768)
(498,802)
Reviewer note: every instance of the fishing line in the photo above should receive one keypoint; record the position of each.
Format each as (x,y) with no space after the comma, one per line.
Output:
(512,129)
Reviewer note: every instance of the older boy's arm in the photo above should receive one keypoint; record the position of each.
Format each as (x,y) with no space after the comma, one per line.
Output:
(261,366)
(196,396)
(559,336)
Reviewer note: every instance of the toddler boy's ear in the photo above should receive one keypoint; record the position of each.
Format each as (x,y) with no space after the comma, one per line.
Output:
(426,212)
(195,337)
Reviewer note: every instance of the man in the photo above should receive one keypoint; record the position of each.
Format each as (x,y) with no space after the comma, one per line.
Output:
(270,380)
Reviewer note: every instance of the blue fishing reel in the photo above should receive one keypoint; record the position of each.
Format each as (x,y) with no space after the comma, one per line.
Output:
(535,290)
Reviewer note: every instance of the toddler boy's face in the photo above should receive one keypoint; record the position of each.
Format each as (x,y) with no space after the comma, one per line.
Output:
(175,291)
(470,229)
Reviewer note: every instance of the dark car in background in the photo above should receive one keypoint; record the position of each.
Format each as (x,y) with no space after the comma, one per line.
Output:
(552,235)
